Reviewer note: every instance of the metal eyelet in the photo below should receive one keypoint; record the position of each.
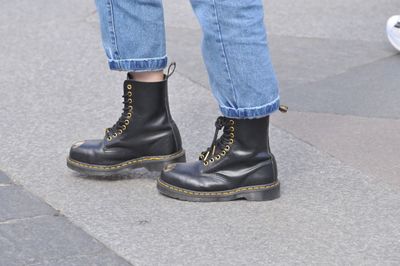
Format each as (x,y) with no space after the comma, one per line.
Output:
(123,127)
(130,107)
(205,163)
(201,157)
(129,94)
(109,138)
(126,122)
(129,100)
(231,122)
(231,141)
(218,157)
(211,160)
(227,148)
(119,131)
(129,115)
(232,135)
(223,153)
(232,129)
(115,134)
(129,86)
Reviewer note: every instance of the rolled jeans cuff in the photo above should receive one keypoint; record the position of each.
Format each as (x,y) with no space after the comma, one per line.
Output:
(138,65)
(252,112)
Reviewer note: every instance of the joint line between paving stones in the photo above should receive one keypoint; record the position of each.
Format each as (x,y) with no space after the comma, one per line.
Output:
(79,256)
(16,220)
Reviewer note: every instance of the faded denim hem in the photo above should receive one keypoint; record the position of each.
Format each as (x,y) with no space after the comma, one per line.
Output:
(138,65)
(251,113)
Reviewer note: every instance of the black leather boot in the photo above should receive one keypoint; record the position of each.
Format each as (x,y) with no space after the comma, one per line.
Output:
(144,136)
(238,165)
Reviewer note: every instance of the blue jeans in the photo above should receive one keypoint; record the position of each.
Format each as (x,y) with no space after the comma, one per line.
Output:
(234,46)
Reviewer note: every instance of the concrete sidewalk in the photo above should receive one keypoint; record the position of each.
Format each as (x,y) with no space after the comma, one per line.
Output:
(33,233)
(337,148)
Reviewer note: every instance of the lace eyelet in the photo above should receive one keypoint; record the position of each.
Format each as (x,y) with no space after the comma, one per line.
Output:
(123,127)
(223,153)
(205,163)
(119,131)
(218,157)
(126,122)
(211,160)
(109,138)
(231,122)
(130,107)
(227,148)
(232,135)
(129,100)
(232,129)
(231,141)
(129,115)
(115,135)
(129,94)
(129,86)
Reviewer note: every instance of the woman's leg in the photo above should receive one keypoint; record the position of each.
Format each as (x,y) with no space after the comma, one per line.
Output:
(239,163)
(145,135)
(236,55)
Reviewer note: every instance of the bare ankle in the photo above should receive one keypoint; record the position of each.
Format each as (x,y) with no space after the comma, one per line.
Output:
(153,76)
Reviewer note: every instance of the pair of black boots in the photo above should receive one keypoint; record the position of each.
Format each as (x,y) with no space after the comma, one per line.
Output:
(237,165)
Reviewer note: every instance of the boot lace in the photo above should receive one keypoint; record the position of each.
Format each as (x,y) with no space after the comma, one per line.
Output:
(219,146)
(121,125)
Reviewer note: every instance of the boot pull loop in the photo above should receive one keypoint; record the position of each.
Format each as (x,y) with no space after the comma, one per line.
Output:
(283,108)
(171,69)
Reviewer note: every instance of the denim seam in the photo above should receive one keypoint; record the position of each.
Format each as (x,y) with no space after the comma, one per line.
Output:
(138,65)
(254,107)
(251,112)
(224,51)
(112,30)
(140,59)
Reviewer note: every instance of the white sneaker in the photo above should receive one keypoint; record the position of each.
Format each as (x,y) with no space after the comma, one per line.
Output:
(393,31)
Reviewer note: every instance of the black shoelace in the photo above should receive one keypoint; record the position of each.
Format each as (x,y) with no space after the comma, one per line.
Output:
(124,120)
(221,143)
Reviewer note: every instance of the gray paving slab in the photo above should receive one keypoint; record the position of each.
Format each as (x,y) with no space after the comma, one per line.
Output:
(22,12)
(33,233)
(51,240)
(370,90)
(368,144)
(343,20)
(17,203)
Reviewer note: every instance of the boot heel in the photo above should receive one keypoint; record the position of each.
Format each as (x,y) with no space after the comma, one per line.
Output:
(159,166)
(263,195)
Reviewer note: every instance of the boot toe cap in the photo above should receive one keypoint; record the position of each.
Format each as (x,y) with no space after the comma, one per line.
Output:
(85,151)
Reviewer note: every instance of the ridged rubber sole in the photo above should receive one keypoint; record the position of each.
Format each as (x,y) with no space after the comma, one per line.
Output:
(251,193)
(151,163)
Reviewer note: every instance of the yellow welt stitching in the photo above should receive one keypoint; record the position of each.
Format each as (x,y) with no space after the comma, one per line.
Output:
(230,192)
(119,165)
